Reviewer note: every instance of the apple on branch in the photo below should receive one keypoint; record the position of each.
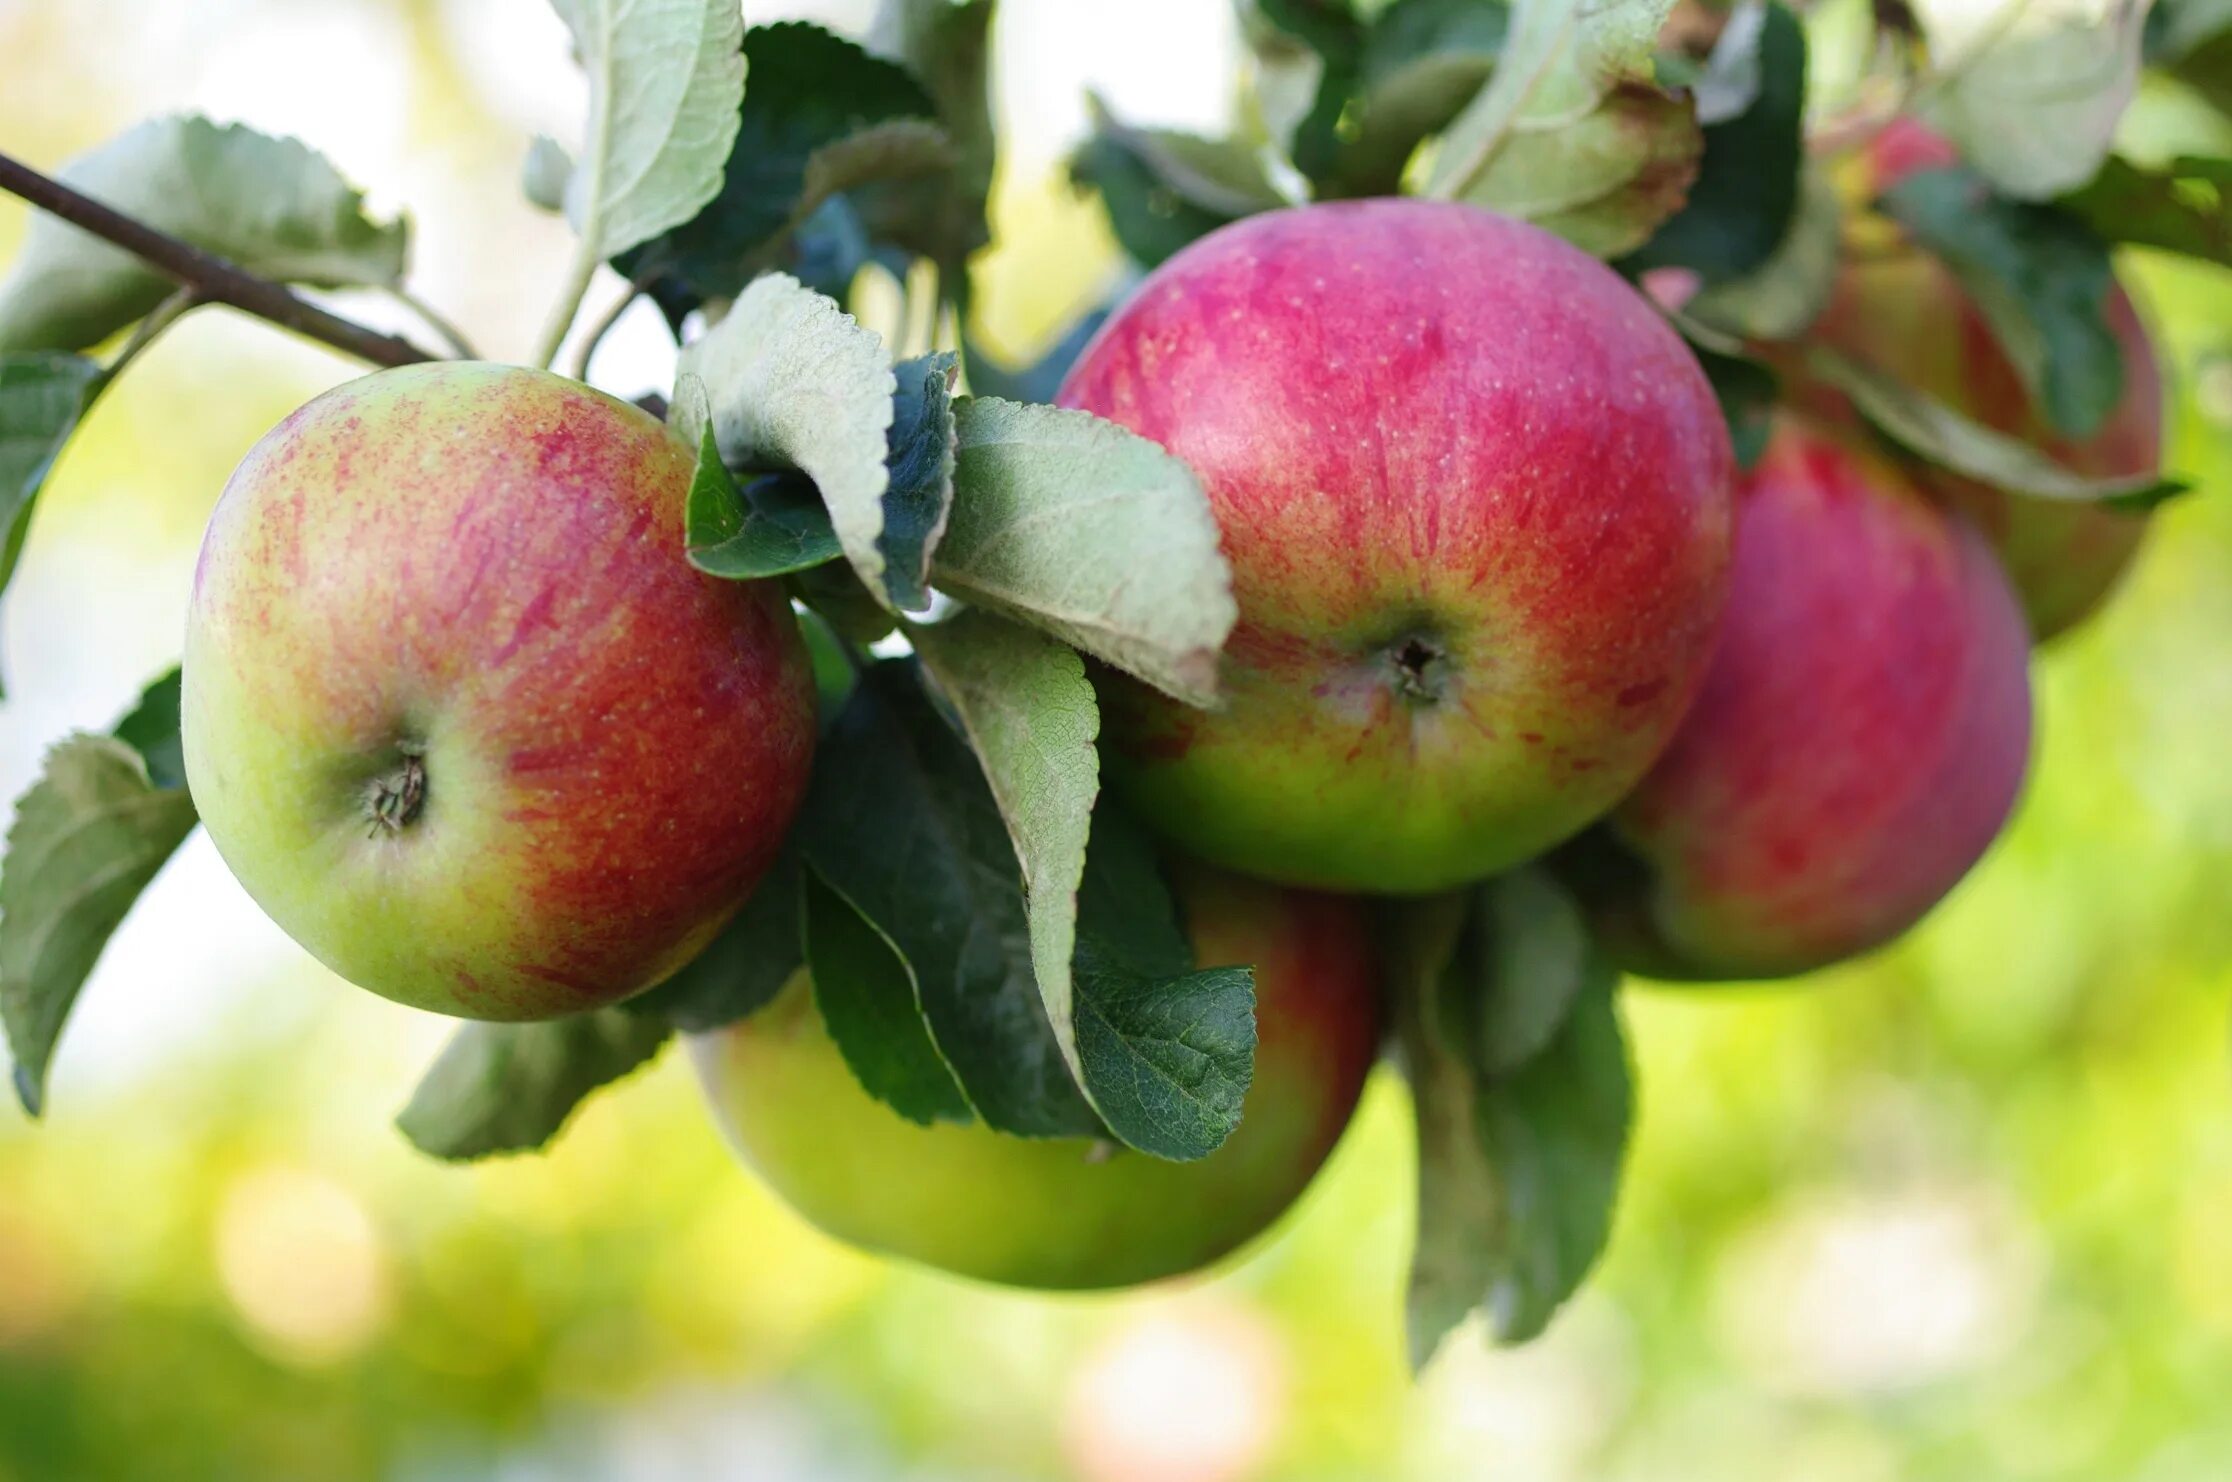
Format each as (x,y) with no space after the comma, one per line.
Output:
(459,713)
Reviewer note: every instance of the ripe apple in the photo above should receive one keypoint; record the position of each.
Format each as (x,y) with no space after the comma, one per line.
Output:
(1901,310)
(1858,742)
(1072,1212)
(458,712)
(1476,498)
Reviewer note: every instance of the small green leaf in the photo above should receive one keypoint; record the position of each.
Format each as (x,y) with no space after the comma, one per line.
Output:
(2185,207)
(1168,1051)
(866,994)
(87,838)
(544,173)
(271,206)
(1423,61)
(665,81)
(2041,279)
(2033,104)
(1571,132)
(918,502)
(1741,206)
(793,382)
(1520,1081)
(152,729)
(1163,188)
(42,396)
(811,92)
(1074,525)
(509,1088)
(745,966)
(1318,90)
(1935,432)
(899,821)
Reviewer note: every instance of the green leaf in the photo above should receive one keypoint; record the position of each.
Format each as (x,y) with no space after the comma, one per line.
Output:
(88,837)
(866,995)
(899,821)
(793,382)
(665,81)
(1935,432)
(1028,710)
(544,173)
(1571,132)
(1331,31)
(42,396)
(1780,299)
(811,92)
(1040,381)
(1163,189)
(745,966)
(2033,105)
(920,455)
(152,729)
(271,206)
(2185,207)
(1423,61)
(772,525)
(1741,206)
(1746,390)
(1520,1082)
(509,1088)
(2041,279)
(1074,525)
(1167,1050)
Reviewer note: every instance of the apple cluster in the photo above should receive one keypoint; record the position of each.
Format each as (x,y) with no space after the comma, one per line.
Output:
(462,719)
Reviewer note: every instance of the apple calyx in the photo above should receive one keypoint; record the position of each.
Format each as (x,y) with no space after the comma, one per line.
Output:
(394,799)
(1418,669)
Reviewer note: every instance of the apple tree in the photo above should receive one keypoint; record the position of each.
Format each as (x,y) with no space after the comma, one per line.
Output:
(1564,492)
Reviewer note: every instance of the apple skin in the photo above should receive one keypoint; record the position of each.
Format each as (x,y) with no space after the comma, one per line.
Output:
(1069,1213)
(482,566)
(1476,497)
(1858,743)
(1902,311)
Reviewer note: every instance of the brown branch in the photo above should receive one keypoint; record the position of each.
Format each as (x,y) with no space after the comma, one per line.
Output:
(210,277)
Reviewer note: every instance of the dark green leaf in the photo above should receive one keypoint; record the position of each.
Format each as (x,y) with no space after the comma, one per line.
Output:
(745,966)
(1331,29)
(1742,203)
(948,47)
(867,998)
(920,494)
(42,395)
(2184,208)
(1424,60)
(808,90)
(152,729)
(508,1088)
(2041,278)
(899,821)
(1041,380)
(88,837)
(1164,189)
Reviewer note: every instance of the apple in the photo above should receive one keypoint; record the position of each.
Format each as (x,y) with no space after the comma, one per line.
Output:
(1900,310)
(1859,740)
(1072,1212)
(459,714)
(1476,497)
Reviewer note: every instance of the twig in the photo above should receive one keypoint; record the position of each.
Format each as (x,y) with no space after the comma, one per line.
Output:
(601,328)
(212,278)
(437,321)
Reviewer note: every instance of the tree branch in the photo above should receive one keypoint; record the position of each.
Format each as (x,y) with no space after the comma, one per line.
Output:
(211,278)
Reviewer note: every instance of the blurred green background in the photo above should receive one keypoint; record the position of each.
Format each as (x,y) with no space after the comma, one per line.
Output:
(1961,1212)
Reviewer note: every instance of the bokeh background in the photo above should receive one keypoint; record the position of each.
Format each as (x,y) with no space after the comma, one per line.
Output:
(1961,1212)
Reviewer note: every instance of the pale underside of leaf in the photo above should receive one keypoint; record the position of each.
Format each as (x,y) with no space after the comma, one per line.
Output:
(793,380)
(2035,108)
(666,78)
(1077,526)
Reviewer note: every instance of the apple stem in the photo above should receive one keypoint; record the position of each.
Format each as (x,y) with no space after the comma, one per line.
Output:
(211,278)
